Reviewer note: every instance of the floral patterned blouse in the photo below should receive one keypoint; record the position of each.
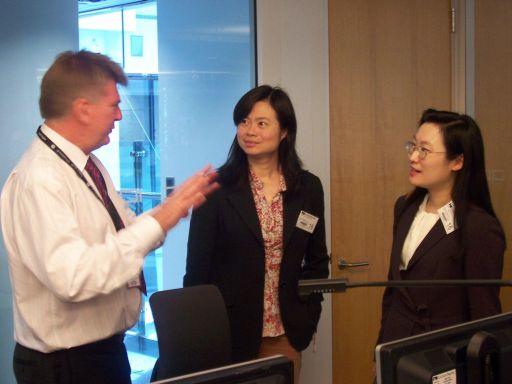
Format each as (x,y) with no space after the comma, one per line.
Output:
(270,215)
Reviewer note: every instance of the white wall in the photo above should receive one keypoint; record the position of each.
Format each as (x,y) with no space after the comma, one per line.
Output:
(33,32)
(293,53)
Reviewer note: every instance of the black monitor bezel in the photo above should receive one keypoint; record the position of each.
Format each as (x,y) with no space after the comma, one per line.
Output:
(233,373)
(388,354)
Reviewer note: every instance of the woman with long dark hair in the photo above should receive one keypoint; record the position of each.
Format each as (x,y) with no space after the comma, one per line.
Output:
(262,232)
(446,228)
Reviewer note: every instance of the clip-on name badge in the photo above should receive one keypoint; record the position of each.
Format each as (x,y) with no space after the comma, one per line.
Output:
(447,216)
(306,221)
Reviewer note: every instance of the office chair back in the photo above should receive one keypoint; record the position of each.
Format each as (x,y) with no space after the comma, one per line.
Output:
(193,331)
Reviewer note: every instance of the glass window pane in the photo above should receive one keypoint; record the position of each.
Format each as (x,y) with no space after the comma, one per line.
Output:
(185,75)
(140,39)
(102,32)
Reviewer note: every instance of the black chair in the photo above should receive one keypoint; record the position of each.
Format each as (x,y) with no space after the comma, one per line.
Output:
(193,330)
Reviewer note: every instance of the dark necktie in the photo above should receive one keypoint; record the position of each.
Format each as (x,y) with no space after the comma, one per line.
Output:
(99,181)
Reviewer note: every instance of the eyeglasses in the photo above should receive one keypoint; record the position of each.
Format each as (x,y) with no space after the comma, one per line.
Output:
(411,147)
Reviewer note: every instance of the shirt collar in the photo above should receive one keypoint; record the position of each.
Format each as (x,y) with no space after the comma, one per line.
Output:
(75,154)
(423,205)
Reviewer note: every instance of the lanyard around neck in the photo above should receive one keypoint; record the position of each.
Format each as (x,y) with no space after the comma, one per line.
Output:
(45,139)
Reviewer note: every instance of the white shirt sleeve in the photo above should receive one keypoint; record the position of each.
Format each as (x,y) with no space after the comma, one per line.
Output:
(66,237)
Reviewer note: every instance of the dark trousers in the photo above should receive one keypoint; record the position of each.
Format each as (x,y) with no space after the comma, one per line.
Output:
(102,362)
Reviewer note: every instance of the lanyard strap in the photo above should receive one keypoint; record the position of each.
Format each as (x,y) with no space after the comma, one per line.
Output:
(45,139)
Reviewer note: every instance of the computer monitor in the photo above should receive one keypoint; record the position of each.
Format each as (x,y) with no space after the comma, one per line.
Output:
(478,351)
(270,370)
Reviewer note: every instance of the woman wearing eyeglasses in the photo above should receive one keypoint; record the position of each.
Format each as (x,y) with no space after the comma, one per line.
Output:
(445,228)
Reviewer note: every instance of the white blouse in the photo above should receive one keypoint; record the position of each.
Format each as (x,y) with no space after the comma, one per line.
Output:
(422,224)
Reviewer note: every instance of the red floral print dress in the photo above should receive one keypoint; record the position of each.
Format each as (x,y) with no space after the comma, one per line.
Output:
(270,214)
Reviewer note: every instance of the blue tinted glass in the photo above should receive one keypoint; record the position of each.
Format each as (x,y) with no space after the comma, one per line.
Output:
(187,63)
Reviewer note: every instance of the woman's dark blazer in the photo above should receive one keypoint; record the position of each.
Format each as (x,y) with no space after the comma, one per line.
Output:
(225,248)
(409,311)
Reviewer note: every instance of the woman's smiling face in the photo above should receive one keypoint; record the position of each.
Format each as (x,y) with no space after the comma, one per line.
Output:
(260,133)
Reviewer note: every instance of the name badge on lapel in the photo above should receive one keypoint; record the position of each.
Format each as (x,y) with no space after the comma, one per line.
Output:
(447,216)
(306,222)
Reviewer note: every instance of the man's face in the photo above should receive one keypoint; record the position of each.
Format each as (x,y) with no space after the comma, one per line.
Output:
(104,112)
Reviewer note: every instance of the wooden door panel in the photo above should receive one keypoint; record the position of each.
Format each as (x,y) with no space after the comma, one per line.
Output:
(388,61)
(493,101)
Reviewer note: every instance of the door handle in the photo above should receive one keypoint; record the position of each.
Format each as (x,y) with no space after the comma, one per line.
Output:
(343,264)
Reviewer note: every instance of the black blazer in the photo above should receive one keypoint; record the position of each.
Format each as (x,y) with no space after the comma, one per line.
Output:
(409,311)
(225,248)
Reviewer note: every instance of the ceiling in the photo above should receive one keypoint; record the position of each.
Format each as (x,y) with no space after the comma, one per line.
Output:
(94,5)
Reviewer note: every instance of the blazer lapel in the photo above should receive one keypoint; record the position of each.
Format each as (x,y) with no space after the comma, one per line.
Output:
(436,233)
(292,204)
(432,238)
(402,230)
(243,202)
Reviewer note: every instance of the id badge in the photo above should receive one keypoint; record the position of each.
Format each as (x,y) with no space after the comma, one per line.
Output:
(306,221)
(447,216)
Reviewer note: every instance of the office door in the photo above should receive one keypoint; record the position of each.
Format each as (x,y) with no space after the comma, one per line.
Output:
(492,108)
(389,60)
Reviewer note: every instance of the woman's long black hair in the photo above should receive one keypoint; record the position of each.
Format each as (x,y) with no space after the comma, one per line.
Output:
(235,171)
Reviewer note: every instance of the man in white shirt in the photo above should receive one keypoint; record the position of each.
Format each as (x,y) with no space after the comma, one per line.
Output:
(75,249)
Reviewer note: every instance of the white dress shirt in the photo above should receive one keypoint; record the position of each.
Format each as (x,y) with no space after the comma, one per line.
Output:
(69,268)
(423,222)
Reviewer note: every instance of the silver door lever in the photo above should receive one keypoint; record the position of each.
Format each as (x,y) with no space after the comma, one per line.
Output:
(342,264)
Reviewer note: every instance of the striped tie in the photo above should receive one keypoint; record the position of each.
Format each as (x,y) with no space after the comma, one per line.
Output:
(99,181)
